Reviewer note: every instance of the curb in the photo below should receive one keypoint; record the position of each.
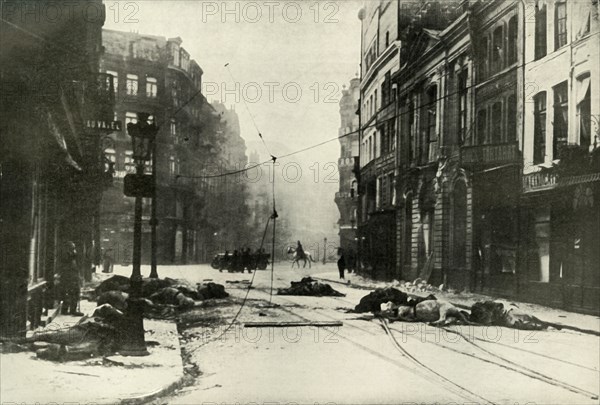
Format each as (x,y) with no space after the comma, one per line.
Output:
(463,306)
(166,390)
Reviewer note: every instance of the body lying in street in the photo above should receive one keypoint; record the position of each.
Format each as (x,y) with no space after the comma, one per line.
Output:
(431,311)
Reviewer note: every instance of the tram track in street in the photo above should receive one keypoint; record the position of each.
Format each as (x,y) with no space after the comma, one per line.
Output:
(509,366)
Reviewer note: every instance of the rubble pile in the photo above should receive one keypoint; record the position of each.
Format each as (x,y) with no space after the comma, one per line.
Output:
(308,286)
(418,285)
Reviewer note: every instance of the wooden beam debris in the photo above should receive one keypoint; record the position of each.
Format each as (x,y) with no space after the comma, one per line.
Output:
(285,324)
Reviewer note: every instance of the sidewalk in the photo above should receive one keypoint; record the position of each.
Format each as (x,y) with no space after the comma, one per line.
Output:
(113,380)
(569,319)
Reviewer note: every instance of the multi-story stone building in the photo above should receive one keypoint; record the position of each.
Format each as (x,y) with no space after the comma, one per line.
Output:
(346,198)
(393,34)
(560,222)
(52,171)
(497,154)
(154,74)
(379,61)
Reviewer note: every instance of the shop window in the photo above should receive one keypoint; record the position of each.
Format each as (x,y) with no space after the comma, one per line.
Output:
(541,30)
(151,87)
(481,126)
(132,85)
(512,40)
(539,140)
(511,118)
(560,25)
(584,111)
(561,119)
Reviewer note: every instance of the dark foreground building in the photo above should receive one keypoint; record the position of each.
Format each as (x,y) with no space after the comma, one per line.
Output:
(52,172)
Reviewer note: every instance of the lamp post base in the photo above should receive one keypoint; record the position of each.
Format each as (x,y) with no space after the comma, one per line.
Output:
(134,343)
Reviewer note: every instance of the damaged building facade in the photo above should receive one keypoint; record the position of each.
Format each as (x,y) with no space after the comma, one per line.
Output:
(196,143)
(52,172)
(496,161)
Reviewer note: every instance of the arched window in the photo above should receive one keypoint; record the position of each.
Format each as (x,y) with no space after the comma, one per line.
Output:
(459,228)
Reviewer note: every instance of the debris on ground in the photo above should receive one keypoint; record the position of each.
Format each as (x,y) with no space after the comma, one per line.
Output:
(310,287)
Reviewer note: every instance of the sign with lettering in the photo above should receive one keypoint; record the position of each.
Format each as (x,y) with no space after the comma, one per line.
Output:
(104,125)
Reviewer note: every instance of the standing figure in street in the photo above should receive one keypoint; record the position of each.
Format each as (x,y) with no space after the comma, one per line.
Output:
(341,263)
(108,261)
(69,280)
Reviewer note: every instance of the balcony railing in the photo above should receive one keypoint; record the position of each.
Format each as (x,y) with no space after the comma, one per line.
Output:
(539,181)
(484,155)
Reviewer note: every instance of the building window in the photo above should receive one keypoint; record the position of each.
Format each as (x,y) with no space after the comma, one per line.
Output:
(151,87)
(175,94)
(498,49)
(375,107)
(431,109)
(462,105)
(496,122)
(132,85)
(561,119)
(512,40)
(115,80)
(539,128)
(481,126)
(130,117)
(560,24)
(392,135)
(176,56)
(387,39)
(511,118)
(173,127)
(172,165)
(584,109)
(540,32)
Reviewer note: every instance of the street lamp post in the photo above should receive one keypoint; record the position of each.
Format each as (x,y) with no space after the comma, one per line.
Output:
(153,220)
(324,250)
(142,137)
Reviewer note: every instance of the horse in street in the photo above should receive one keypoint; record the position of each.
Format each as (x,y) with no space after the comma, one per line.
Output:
(296,258)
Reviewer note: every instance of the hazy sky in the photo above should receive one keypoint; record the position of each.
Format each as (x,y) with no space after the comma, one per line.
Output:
(289,60)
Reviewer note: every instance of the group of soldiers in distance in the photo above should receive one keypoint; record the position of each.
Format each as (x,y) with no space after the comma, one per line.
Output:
(241,260)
